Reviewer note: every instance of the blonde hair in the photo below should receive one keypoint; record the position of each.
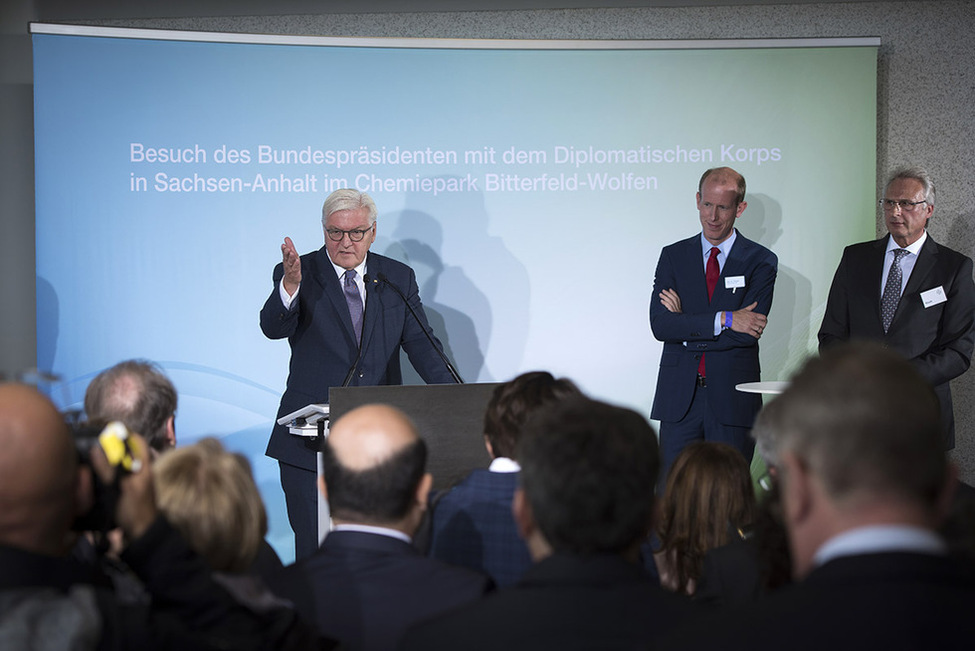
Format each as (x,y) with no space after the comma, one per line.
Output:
(208,494)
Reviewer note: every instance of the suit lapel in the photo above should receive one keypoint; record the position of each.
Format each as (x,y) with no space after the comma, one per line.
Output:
(332,288)
(735,263)
(927,258)
(373,306)
(733,266)
(692,266)
(871,278)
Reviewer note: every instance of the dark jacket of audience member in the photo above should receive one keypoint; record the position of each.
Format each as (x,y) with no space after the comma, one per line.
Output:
(472,522)
(864,483)
(367,584)
(209,496)
(746,569)
(585,505)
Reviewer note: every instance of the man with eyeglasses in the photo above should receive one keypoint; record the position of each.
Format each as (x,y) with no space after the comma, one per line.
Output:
(905,290)
(345,319)
(711,297)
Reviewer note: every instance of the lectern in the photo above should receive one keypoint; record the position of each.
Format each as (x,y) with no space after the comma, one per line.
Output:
(449,417)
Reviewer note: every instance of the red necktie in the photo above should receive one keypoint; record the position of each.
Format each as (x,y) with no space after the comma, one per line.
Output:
(711,273)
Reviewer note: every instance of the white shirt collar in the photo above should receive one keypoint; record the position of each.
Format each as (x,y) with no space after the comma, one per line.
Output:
(504,464)
(381,531)
(914,248)
(724,247)
(360,269)
(880,538)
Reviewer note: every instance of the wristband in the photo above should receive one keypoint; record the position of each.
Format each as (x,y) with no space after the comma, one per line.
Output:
(727,319)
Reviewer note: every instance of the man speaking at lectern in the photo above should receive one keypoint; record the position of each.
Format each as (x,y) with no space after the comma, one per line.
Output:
(343,312)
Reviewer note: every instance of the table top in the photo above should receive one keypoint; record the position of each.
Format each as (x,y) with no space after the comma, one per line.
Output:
(772,387)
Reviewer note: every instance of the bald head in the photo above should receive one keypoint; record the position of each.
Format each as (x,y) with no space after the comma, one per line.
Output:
(373,467)
(370,435)
(723,176)
(39,476)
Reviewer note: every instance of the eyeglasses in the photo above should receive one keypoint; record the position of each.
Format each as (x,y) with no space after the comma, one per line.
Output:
(356,235)
(906,206)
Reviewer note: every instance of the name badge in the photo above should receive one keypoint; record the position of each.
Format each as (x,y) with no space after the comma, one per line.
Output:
(734,282)
(933,296)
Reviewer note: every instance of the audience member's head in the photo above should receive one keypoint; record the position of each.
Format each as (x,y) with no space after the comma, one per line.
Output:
(514,401)
(587,479)
(41,487)
(859,443)
(707,501)
(373,465)
(137,393)
(208,494)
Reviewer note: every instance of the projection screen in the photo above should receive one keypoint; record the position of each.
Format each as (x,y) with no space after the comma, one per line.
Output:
(530,184)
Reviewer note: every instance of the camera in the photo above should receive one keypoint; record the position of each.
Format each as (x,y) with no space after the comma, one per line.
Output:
(116,444)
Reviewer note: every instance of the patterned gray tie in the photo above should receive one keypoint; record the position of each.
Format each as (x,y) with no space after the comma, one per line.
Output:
(892,290)
(354,300)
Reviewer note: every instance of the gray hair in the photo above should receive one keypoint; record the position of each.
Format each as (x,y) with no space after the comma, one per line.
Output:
(866,424)
(137,393)
(349,199)
(920,175)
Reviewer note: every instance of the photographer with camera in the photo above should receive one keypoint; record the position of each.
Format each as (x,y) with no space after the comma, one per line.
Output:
(48,599)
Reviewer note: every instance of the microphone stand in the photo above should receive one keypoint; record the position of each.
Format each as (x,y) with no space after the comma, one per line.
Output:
(381,278)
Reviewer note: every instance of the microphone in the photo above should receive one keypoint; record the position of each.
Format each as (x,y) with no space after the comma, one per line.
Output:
(381,278)
(355,364)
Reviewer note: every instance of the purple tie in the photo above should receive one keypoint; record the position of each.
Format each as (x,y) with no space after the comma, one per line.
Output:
(354,300)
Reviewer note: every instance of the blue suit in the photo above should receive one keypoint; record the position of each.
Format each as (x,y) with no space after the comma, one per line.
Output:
(323,349)
(732,357)
(473,526)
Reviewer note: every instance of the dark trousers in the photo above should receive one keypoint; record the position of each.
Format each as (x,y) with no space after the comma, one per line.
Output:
(700,424)
(301,497)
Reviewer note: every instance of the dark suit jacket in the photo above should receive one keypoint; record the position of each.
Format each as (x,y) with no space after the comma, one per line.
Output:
(366,589)
(563,602)
(888,601)
(937,339)
(323,347)
(732,357)
(730,574)
(473,527)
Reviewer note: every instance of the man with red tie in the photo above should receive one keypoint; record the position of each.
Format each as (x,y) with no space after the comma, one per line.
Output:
(711,297)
